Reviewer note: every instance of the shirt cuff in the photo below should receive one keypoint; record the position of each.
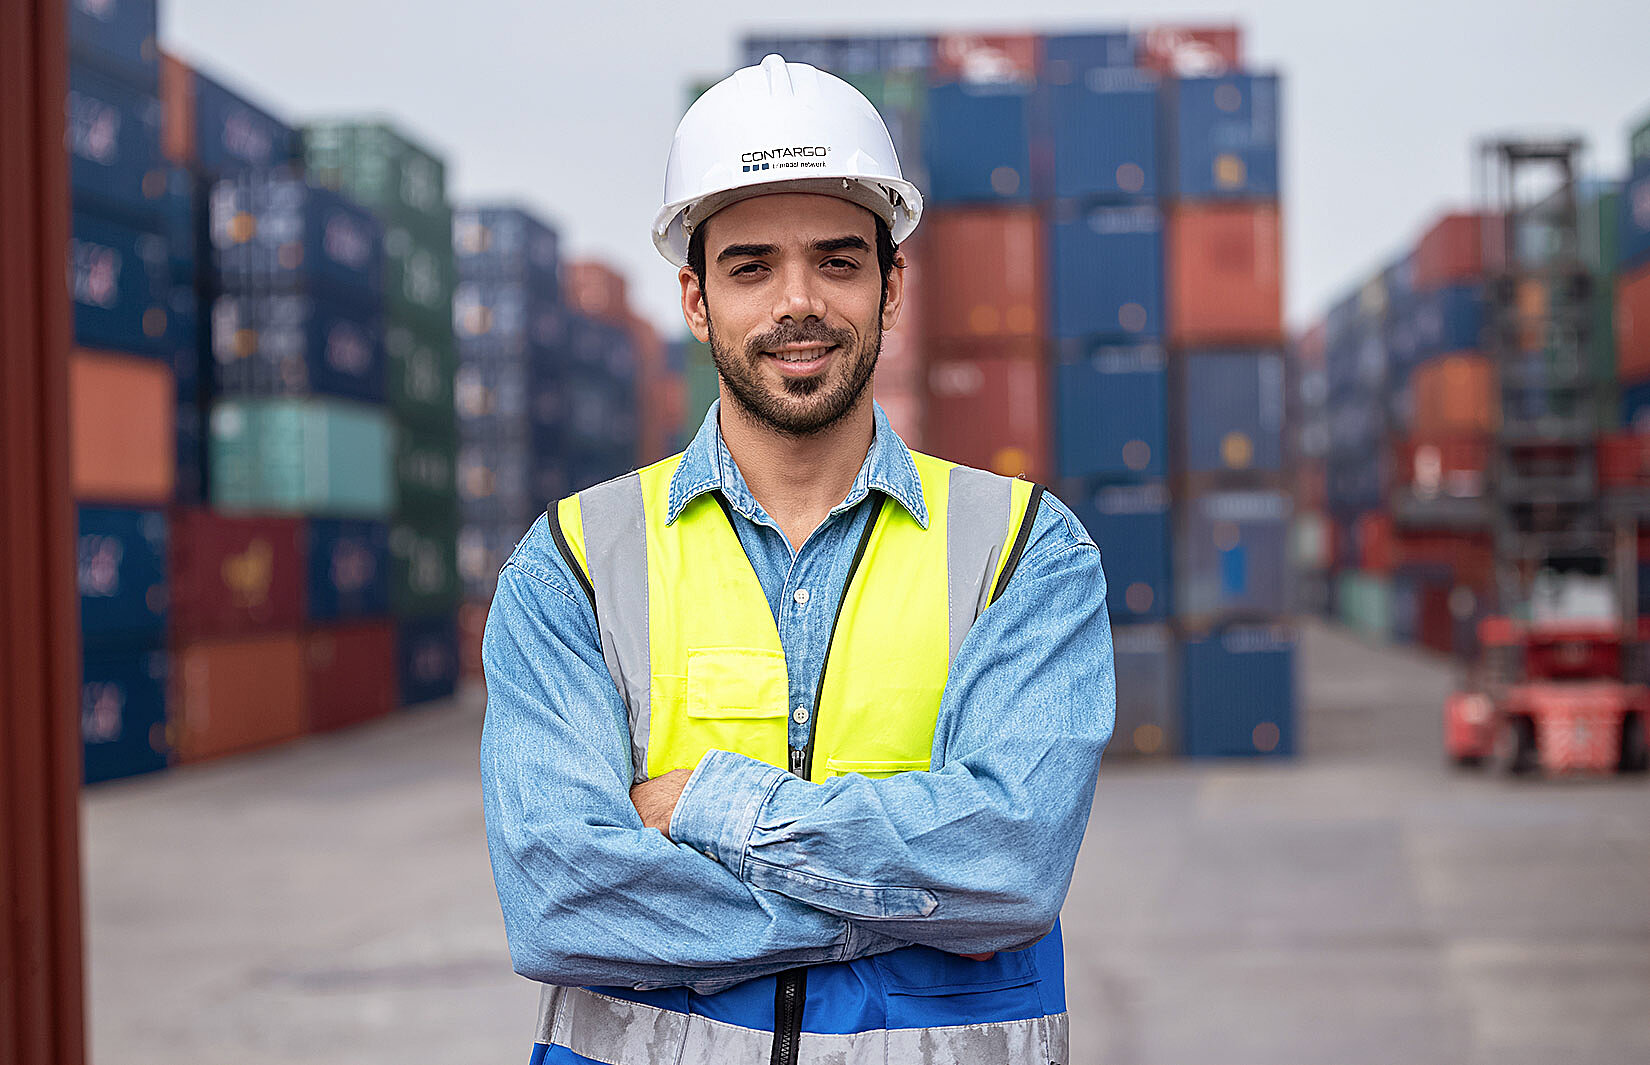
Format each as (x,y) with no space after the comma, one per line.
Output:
(716,813)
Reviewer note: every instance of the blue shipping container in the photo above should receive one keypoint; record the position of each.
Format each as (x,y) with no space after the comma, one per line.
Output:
(507,244)
(231,133)
(1148,721)
(120,281)
(426,652)
(1225,139)
(183,220)
(281,345)
(119,36)
(1635,407)
(1635,218)
(1132,526)
(505,319)
(349,569)
(121,567)
(1238,692)
(1068,58)
(113,134)
(271,230)
(482,552)
(1103,134)
(495,484)
(1233,416)
(1111,413)
(123,713)
(1234,554)
(977,143)
(190,485)
(1108,272)
(1448,319)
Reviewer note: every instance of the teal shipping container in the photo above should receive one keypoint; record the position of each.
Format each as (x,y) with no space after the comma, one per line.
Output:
(302,456)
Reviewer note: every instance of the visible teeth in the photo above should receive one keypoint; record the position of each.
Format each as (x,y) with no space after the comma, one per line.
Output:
(797,356)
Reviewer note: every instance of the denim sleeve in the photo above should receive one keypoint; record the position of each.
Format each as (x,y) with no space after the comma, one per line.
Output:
(589,895)
(977,853)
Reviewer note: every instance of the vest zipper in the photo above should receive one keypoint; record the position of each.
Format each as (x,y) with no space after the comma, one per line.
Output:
(791,986)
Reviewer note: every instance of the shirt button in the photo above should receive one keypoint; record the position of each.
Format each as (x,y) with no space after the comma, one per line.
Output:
(800,715)
(801,597)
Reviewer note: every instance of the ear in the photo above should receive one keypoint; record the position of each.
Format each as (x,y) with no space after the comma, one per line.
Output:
(693,305)
(896,294)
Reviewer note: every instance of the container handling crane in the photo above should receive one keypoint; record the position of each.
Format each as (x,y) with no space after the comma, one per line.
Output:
(1560,681)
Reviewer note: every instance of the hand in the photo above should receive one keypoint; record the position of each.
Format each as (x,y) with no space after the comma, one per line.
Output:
(987,956)
(656,799)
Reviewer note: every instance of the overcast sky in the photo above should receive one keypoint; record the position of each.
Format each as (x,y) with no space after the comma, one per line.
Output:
(569,107)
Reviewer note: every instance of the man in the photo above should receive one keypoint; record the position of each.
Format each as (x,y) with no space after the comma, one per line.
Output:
(791,739)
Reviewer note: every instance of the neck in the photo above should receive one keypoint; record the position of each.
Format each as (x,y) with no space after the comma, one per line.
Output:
(798,479)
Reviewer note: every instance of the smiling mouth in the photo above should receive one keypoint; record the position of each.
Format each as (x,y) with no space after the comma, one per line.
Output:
(801,356)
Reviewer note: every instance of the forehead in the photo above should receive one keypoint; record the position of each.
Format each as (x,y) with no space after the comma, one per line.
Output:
(787,219)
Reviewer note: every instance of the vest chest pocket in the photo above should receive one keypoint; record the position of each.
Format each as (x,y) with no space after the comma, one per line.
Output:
(930,988)
(732,699)
(876,769)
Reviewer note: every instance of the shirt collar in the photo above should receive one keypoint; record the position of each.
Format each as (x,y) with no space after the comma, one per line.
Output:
(707,466)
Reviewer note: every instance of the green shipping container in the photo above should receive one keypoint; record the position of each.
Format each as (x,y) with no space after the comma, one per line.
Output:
(302,456)
(420,374)
(423,568)
(1638,144)
(382,169)
(419,275)
(426,484)
(1364,604)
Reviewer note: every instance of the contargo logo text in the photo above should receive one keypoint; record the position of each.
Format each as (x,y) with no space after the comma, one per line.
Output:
(785,158)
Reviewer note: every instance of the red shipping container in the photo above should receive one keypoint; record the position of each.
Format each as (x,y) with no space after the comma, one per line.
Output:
(122,428)
(1374,532)
(1623,459)
(1633,324)
(986,58)
(349,674)
(1436,624)
(983,279)
(989,413)
(1443,466)
(236,695)
(1471,558)
(472,625)
(1311,485)
(235,575)
(1190,51)
(1451,251)
(596,289)
(1225,274)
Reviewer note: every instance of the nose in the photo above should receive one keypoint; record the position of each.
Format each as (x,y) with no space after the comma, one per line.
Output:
(798,297)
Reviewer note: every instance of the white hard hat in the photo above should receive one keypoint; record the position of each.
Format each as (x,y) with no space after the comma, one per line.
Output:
(780,127)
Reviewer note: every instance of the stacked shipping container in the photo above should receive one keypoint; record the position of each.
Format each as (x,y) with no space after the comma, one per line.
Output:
(404,185)
(1097,304)
(1411,405)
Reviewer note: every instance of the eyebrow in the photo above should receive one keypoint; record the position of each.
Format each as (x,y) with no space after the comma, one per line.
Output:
(746,251)
(757,251)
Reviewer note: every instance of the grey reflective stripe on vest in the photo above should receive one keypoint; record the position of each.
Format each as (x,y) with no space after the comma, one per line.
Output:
(976,522)
(629,1033)
(615,546)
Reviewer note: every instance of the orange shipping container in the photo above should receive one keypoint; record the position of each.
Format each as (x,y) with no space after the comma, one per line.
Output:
(177,119)
(236,695)
(983,278)
(122,428)
(1454,395)
(989,413)
(986,58)
(1225,271)
(1190,51)
(1633,324)
(596,289)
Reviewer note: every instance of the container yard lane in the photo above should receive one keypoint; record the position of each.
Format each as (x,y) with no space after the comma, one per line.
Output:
(330,901)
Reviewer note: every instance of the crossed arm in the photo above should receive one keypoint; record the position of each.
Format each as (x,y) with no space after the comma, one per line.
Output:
(752,871)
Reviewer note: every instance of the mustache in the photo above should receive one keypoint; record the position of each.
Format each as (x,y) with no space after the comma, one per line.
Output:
(811,331)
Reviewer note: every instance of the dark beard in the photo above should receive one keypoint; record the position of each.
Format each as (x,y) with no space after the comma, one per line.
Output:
(834,400)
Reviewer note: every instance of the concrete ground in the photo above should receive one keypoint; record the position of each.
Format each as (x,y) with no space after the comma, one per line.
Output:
(331,902)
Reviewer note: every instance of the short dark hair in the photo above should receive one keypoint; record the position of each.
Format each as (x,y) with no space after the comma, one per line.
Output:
(887,254)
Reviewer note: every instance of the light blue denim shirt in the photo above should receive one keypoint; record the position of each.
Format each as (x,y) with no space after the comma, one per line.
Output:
(769,871)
